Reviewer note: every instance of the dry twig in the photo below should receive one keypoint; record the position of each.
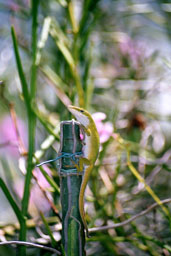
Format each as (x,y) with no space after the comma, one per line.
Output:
(91,230)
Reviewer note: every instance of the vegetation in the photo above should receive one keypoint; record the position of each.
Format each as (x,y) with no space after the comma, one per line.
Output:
(110,57)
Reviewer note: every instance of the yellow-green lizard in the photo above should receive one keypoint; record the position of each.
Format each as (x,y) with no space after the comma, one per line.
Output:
(90,151)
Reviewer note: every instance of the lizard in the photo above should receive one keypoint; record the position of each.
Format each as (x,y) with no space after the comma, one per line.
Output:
(90,151)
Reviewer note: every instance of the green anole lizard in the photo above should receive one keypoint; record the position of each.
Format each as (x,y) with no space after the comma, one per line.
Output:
(90,152)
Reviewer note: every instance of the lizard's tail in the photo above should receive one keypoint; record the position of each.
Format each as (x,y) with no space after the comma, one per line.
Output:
(81,196)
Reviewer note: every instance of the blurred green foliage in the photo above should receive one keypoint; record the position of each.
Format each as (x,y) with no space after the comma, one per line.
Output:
(106,56)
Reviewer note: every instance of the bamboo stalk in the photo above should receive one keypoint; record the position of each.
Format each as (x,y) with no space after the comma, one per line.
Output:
(73,237)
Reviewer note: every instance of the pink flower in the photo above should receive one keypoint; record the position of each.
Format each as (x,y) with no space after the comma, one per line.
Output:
(133,51)
(8,137)
(37,201)
(105,129)
(17,7)
(40,177)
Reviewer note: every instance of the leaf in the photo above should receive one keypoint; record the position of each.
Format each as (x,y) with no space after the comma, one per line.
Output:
(47,143)
(11,201)
(43,38)
(53,241)
(49,180)
(54,77)
(62,2)
(35,4)
(56,82)
(63,44)
(20,69)
(72,17)
(58,34)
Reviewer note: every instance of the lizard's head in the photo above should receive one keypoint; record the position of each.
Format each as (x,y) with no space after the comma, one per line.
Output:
(81,115)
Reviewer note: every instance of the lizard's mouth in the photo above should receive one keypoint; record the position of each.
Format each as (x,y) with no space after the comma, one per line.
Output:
(70,107)
(72,110)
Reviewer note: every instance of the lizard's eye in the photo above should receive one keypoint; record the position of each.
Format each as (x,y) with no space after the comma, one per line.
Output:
(81,111)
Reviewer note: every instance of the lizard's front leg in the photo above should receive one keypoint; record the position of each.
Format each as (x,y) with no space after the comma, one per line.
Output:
(83,161)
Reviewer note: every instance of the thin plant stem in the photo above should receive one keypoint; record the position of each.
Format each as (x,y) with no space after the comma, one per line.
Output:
(126,222)
(31,127)
(50,180)
(35,4)
(48,229)
(31,245)
(149,190)
(25,200)
(20,70)
(12,202)
(72,17)
(22,235)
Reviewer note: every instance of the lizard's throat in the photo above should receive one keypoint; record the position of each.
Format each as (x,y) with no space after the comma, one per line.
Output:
(83,119)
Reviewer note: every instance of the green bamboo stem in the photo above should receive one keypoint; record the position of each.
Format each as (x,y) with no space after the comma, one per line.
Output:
(73,237)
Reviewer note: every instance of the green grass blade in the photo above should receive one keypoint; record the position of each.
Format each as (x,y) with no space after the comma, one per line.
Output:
(44,122)
(35,4)
(60,41)
(55,78)
(20,69)
(47,143)
(43,38)
(53,241)
(50,180)
(11,201)
(58,34)
(88,9)
(57,83)
(72,17)
(62,2)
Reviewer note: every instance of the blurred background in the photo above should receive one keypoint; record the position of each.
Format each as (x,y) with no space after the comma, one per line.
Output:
(121,52)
